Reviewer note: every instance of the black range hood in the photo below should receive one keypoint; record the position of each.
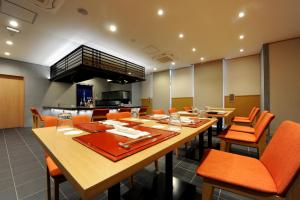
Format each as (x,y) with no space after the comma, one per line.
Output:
(85,63)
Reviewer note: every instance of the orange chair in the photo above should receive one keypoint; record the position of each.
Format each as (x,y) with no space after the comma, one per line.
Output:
(158,111)
(187,108)
(248,129)
(143,111)
(125,110)
(274,176)
(247,120)
(172,110)
(52,169)
(99,114)
(80,119)
(118,115)
(257,140)
(38,119)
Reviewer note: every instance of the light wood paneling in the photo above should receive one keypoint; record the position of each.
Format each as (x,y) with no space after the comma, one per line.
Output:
(243,104)
(147,103)
(178,103)
(11,101)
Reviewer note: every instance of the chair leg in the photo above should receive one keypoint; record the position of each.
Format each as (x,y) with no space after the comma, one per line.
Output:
(48,185)
(131,181)
(207,191)
(228,146)
(56,189)
(223,145)
(156,165)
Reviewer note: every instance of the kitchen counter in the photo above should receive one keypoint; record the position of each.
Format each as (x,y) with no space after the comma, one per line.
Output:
(86,108)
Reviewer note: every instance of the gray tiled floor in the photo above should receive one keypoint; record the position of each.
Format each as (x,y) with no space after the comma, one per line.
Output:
(22,170)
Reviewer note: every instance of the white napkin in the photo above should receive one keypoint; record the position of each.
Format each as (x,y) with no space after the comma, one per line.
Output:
(64,129)
(145,120)
(159,126)
(159,116)
(186,120)
(113,122)
(73,132)
(127,132)
(183,112)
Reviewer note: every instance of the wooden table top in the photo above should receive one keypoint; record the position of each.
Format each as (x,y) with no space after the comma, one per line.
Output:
(92,173)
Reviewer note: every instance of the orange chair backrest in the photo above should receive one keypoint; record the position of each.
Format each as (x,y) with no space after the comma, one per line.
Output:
(172,110)
(187,108)
(262,115)
(263,125)
(118,115)
(251,112)
(254,113)
(158,111)
(50,121)
(80,119)
(35,112)
(125,110)
(282,157)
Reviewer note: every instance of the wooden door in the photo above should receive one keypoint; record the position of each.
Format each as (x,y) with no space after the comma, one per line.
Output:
(11,101)
(147,103)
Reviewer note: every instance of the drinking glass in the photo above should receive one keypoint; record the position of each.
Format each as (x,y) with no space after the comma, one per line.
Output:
(64,121)
(174,123)
(135,112)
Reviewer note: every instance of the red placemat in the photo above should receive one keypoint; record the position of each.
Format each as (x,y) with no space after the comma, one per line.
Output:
(130,123)
(93,127)
(198,122)
(106,143)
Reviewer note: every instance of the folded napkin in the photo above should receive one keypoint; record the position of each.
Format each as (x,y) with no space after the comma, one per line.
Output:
(113,122)
(186,120)
(64,129)
(73,132)
(127,132)
(160,116)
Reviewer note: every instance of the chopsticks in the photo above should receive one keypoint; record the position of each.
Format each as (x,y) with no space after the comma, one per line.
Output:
(128,144)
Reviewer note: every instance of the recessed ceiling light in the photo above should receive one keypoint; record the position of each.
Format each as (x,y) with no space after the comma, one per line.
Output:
(109,80)
(82,11)
(7,53)
(154,69)
(202,58)
(242,37)
(194,49)
(129,73)
(12,29)
(173,63)
(13,23)
(241,14)
(241,50)
(160,12)
(180,35)
(113,28)
(8,42)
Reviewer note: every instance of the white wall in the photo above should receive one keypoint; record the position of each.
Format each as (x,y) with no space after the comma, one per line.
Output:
(242,76)
(146,90)
(182,82)
(161,90)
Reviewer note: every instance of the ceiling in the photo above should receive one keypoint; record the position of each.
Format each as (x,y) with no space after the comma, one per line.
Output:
(211,26)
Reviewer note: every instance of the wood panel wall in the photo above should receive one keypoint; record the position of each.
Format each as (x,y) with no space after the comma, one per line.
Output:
(243,104)
(147,103)
(11,101)
(179,102)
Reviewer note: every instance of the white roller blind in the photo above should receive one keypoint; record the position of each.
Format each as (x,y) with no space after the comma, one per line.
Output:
(161,90)
(182,82)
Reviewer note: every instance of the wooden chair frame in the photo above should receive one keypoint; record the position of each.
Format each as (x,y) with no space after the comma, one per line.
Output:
(57,180)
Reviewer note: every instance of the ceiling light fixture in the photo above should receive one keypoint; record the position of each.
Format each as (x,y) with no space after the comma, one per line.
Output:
(8,42)
(202,58)
(108,80)
(154,69)
(13,23)
(241,14)
(113,28)
(180,35)
(173,63)
(241,50)
(160,12)
(7,53)
(13,29)
(242,37)
(129,73)
(194,49)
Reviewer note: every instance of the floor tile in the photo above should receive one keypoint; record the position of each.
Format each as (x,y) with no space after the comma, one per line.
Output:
(31,187)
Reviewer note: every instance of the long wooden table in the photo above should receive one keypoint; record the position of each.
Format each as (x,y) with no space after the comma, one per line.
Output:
(92,173)
(227,115)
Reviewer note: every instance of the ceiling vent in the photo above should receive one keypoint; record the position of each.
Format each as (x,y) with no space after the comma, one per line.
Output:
(50,5)
(164,57)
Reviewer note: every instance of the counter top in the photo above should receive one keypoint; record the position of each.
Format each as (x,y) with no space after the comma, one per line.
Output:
(87,108)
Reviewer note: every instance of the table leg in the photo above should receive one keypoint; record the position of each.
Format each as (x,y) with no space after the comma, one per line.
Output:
(201,145)
(114,192)
(209,137)
(219,125)
(169,176)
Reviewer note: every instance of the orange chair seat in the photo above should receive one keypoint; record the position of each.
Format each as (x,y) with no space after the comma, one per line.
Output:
(240,136)
(49,120)
(237,170)
(246,120)
(246,129)
(52,167)
(241,118)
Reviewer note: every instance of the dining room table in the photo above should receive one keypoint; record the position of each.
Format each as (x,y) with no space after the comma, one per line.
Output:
(91,172)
